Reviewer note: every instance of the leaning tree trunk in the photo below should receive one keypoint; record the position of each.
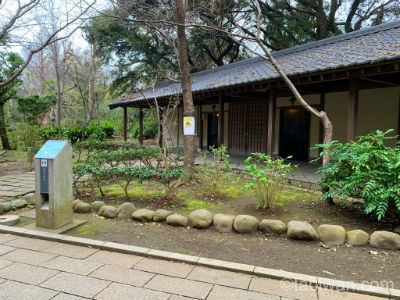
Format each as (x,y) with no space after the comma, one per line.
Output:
(328,128)
(188,107)
(3,130)
(91,85)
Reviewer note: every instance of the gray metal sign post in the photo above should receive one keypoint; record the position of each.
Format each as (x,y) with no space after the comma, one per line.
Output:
(53,185)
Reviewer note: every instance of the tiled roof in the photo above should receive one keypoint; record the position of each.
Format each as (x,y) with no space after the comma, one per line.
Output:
(366,46)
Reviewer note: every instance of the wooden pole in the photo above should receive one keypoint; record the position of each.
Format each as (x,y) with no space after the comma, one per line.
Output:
(125,123)
(160,132)
(221,121)
(352,107)
(141,126)
(321,125)
(271,121)
(201,127)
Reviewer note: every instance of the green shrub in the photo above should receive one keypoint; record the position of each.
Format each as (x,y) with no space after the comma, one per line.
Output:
(366,169)
(74,134)
(95,133)
(108,130)
(267,175)
(49,133)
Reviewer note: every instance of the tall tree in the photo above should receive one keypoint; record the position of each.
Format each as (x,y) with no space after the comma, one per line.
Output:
(188,107)
(9,64)
(287,23)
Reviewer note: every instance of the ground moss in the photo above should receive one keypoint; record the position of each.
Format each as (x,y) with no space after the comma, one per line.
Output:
(90,229)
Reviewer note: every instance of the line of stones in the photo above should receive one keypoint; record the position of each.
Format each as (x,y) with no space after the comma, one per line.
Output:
(332,235)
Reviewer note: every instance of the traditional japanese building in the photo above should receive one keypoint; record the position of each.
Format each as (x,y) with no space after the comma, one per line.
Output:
(354,77)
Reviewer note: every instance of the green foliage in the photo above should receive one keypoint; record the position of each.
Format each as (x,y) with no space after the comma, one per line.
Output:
(266,178)
(74,134)
(150,128)
(48,133)
(108,130)
(32,106)
(9,63)
(366,169)
(213,175)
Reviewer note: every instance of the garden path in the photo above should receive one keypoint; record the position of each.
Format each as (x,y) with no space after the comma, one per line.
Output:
(17,185)
(37,269)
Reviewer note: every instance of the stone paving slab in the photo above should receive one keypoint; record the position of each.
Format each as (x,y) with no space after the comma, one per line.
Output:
(123,275)
(328,294)
(114,258)
(179,286)
(5,249)
(72,265)
(64,296)
(220,277)
(7,237)
(76,284)
(12,290)
(26,273)
(29,256)
(283,288)
(118,291)
(30,243)
(70,250)
(164,267)
(224,293)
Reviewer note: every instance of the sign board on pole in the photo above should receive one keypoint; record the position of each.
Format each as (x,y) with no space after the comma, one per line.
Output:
(188,126)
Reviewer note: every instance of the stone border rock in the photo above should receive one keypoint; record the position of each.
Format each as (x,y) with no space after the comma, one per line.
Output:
(208,262)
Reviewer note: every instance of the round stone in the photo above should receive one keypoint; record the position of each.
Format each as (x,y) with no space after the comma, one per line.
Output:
(385,240)
(96,205)
(272,226)
(108,211)
(177,220)
(161,215)
(19,203)
(223,223)
(245,224)
(6,206)
(75,202)
(143,215)
(9,220)
(298,230)
(200,218)
(82,208)
(334,235)
(357,237)
(126,210)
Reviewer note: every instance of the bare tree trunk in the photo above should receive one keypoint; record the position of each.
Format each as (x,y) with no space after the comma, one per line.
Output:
(91,84)
(188,107)
(58,100)
(3,130)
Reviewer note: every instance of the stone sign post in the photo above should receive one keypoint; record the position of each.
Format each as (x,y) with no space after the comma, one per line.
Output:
(53,185)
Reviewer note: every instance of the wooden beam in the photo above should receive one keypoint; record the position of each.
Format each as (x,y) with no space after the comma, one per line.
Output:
(221,121)
(352,107)
(125,123)
(378,81)
(201,121)
(271,121)
(321,126)
(141,126)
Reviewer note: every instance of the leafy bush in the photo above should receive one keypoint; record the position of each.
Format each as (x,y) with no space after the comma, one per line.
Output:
(366,169)
(266,178)
(108,130)
(95,133)
(74,134)
(49,133)
(213,175)
(150,129)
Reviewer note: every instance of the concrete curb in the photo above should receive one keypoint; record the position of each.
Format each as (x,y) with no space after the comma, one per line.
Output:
(208,262)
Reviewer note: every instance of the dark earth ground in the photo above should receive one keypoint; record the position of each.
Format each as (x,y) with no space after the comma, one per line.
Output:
(356,264)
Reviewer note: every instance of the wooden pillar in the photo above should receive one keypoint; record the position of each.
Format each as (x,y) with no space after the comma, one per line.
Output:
(160,131)
(398,122)
(221,121)
(141,126)
(352,107)
(201,127)
(321,126)
(271,122)
(125,123)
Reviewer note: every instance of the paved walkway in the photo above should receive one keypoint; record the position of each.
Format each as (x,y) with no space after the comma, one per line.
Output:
(37,269)
(17,185)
